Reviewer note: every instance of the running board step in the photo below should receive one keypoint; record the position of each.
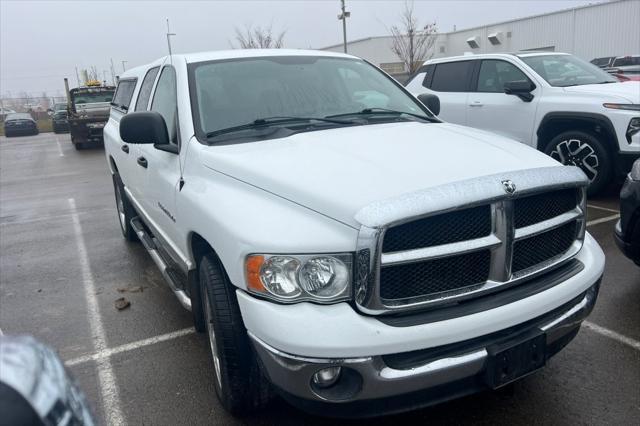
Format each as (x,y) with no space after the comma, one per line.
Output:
(165,270)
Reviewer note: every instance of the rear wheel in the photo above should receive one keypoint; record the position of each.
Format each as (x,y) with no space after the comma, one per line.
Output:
(584,150)
(239,382)
(125,210)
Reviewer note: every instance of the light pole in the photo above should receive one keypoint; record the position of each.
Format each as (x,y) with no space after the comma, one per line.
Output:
(123,68)
(169,34)
(343,16)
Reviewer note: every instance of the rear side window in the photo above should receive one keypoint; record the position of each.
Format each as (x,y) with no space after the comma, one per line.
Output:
(626,61)
(451,77)
(494,74)
(124,93)
(145,89)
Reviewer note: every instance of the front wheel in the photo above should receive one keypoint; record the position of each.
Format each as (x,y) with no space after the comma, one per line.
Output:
(239,382)
(576,148)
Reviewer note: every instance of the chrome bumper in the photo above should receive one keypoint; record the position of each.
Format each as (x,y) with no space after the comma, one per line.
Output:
(370,378)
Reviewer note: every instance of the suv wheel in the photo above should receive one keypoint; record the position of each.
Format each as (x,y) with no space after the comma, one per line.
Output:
(125,210)
(239,382)
(575,148)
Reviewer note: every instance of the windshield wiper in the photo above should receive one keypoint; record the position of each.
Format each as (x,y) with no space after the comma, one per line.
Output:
(270,121)
(381,111)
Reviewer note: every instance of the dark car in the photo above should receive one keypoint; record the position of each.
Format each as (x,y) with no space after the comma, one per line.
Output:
(603,62)
(59,118)
(627,231)
(20,124)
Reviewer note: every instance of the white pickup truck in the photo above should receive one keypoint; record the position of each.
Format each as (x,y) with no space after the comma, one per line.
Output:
(338,243)
(555,102)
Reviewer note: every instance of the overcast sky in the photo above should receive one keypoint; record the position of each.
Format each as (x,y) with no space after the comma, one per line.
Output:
(43,41)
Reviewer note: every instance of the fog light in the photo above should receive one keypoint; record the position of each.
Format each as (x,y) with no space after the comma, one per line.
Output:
(326,377)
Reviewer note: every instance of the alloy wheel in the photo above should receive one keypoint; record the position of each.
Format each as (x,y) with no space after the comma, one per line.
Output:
(574,152)
(212,337)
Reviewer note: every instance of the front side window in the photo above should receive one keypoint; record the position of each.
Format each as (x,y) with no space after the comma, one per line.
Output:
(567,70)
(165,100)
(124,93)
(235,92)
(494,74)
(145,89)
(451,76)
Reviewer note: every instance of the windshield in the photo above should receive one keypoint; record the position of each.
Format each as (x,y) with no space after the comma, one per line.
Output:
(567,70)
(60,107)
(92,97)
(235,92)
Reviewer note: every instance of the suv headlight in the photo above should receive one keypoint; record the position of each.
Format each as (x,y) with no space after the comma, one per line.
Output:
(632,107)
(323,278)
(634,174)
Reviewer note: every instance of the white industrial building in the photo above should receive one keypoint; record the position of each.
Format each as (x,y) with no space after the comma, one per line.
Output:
(602,29)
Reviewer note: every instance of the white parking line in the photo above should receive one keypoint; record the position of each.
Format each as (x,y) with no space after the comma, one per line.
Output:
(130,346)
(612,335)
(59,147)
(606,209)
(106,377)
(603,220)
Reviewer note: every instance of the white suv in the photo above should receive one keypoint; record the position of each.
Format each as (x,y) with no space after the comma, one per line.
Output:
(555,102)
(337,242)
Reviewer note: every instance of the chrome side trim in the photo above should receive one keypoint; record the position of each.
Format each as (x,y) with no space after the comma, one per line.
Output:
(379,216)
(443,250)
(547,225)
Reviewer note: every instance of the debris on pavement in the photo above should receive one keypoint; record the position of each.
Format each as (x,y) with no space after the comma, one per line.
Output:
(131,289)
(122,303)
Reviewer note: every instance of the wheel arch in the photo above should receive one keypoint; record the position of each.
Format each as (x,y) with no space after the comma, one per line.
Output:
(555,123)
(198,247)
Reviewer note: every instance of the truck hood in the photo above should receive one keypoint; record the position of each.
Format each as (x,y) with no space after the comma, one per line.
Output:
(337,172)
(628,90)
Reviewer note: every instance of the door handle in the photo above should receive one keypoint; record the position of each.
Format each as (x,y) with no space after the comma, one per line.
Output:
(143,162)
(125,148)
(476,104)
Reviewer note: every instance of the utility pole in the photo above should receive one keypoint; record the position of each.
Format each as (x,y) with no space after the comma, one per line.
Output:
(77,77)
(169,34)
(123,68)
(343,16)
(113,73)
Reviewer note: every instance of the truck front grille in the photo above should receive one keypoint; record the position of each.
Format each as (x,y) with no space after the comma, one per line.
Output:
(439,258)
(441,229)
(435,276)
(540,248)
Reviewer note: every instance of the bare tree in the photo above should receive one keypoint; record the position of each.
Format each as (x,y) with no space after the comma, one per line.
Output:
(411,43)
(259,38)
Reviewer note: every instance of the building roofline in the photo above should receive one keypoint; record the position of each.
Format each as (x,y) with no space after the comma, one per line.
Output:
(600,3)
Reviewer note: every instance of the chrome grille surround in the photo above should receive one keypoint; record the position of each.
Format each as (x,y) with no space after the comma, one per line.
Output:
(377,217)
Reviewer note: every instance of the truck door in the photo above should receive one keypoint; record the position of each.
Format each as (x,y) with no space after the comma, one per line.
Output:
(491,109)
(161,169)
(450,81)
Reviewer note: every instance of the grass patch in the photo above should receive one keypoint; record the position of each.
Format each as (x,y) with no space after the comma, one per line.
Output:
(44,126)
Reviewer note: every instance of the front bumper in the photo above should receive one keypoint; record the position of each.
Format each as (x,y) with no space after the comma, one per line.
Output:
(627,230)
(384,384)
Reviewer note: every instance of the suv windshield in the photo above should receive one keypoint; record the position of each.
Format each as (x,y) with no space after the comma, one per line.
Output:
(567,70)
(231,93)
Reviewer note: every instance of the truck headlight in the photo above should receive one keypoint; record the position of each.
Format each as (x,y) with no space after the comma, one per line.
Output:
(323,278)
(630,107)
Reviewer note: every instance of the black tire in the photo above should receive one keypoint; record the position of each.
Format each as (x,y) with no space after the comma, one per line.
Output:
(78,146)
(124,209)
(36,132)
(585,151)
(240,384)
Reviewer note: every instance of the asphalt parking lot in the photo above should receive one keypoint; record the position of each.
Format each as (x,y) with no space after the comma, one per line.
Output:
(63,260)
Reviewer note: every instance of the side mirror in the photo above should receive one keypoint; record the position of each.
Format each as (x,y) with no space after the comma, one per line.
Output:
(521,89)
(430,101)
(145,127)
